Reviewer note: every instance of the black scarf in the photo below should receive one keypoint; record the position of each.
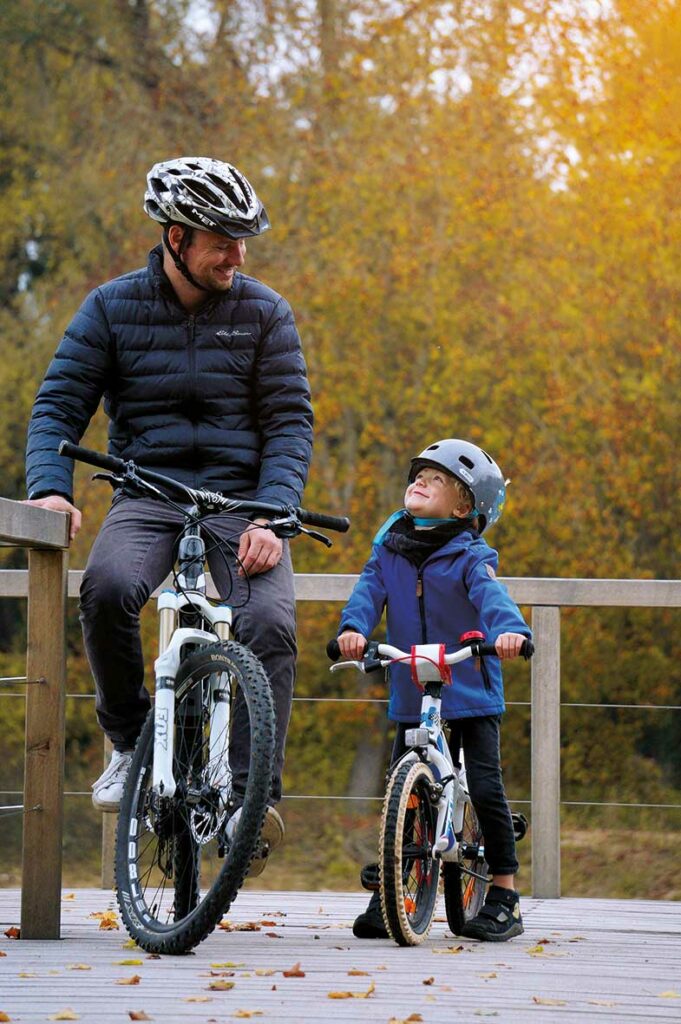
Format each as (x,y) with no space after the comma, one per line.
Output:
(416,545)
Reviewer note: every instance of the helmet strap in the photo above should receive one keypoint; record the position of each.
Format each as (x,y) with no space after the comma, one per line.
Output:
(177,257)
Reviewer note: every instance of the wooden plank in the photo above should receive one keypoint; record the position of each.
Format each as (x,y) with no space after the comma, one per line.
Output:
(44,764)
(602,961)
(545,758)
(32,526)
(571,593)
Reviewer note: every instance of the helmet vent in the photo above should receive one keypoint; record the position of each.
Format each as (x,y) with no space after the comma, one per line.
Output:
(466,461)
(433,448)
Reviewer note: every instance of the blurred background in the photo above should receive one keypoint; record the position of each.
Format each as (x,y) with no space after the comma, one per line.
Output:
(476,213)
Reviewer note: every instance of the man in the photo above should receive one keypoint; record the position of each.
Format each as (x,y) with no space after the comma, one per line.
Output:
(204,380)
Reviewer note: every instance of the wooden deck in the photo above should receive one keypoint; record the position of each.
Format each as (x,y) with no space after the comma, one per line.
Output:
(579,960)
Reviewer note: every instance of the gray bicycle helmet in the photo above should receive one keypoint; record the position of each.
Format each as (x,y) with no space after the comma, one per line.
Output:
(474,468)
(199,192)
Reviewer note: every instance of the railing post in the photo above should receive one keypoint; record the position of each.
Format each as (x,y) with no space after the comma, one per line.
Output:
(44,768)
(546,753)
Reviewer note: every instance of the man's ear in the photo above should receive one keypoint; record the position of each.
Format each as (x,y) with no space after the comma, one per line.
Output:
(175,236)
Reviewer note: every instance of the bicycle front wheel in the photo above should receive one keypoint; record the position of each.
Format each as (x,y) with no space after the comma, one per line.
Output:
(176,870)
(409,872)
(465,881)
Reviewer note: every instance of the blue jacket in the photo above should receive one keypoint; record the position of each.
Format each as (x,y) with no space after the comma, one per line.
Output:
(458,592)
(217,399)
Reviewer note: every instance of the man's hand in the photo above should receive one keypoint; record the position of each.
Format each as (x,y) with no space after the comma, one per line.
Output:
(508,645)
(352,645)
(259,550)
(59,504)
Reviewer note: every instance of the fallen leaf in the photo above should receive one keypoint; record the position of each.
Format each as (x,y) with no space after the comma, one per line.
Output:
(27,974)
(669,994)
(428,981)
(248,926)
(486,1013)
(69,896)
(268,924)
(128,963)
(4,1017)
(198,999)
(354,973)
(2,954)
(221,986)
(153,956)
(273,935)
(353,995)
(228,963)
(219,974)
(107,922)
(492,974)
(411,1019)
(548,1002)
(78,967)
(294,972)
(602,1002)
(13,932)
(263,972)
(130,944)
(138,1015)
(450,949)
(578,938)
(66,1014)
(134,979)
(535,950)
(247,1013)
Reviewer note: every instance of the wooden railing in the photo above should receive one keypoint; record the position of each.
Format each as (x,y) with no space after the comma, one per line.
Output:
(45,586)
(46,536)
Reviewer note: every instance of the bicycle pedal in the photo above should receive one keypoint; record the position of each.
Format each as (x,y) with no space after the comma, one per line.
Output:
(370,878)
(520,826)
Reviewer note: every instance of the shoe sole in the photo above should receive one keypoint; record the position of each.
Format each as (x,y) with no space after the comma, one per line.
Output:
(272,836)
(105,806)
(516,929)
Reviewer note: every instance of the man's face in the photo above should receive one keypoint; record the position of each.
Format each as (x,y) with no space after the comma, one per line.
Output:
(213,259)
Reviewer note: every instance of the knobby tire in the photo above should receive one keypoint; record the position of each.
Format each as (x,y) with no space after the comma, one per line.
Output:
(464,893)
(162,845)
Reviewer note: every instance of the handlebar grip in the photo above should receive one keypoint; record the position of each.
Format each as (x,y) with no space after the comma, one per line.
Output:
(333,651)
(341,524)
(487,650)
(74,451)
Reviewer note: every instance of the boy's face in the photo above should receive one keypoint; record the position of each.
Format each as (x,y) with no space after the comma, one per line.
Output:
(433,495)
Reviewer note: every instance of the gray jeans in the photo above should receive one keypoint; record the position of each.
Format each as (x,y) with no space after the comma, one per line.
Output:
(131,556)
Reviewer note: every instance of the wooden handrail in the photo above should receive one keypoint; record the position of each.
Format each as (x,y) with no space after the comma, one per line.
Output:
(46,536)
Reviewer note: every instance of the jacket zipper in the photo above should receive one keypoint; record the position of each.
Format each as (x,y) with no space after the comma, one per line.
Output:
(422,605)
(192,379)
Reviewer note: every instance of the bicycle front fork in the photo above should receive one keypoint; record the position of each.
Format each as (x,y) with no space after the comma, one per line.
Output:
(172,641)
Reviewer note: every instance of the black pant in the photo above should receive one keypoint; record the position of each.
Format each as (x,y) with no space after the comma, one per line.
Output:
(479,738)
(131,556)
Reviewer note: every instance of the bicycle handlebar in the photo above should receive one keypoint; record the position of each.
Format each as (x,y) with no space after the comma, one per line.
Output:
(380,655)
(341,524)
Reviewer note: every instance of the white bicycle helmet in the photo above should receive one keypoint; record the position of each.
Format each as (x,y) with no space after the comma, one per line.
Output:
(474,468)
(211,195)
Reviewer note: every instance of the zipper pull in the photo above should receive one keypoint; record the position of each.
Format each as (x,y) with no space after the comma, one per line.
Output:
(419,586)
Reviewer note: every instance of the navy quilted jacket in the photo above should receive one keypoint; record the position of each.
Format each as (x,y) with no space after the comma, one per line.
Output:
(217,399)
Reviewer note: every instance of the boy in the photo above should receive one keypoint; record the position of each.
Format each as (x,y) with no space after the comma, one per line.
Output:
(436,576)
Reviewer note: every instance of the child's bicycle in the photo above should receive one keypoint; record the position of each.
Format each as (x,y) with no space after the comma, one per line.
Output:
(178,864)
(428,818)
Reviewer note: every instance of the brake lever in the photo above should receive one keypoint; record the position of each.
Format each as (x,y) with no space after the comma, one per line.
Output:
(317,536)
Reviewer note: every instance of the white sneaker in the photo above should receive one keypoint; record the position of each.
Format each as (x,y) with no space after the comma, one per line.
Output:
(108,789)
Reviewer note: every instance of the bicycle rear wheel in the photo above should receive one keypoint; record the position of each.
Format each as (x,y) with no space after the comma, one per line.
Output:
(464,890)
(409,872)
(176,872)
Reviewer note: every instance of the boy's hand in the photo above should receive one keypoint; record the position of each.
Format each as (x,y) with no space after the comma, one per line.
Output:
(508,645)
(352,645)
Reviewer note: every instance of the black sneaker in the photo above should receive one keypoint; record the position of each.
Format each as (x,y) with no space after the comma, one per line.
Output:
(369,925)
(499,919)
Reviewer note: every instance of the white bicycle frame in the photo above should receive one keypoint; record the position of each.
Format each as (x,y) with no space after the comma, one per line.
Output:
(427,742)
(172,641)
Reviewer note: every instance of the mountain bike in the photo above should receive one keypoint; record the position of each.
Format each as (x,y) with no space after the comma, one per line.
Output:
(181,854)
(428,819)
